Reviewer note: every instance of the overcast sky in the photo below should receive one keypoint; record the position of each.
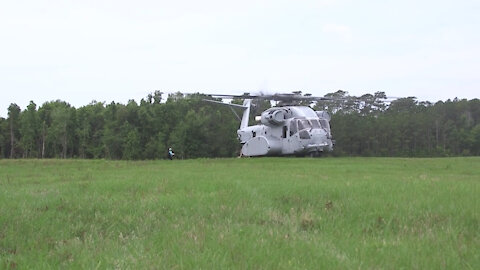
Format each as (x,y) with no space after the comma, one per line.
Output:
(79,51)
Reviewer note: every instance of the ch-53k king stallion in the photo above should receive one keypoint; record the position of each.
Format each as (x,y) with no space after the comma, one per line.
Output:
(285,130)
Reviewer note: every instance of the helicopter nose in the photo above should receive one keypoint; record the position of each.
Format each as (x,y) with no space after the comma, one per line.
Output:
(318,141)
(318,135)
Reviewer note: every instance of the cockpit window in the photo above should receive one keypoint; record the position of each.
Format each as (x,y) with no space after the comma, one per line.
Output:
(325,124)
(304,124)
(315,124)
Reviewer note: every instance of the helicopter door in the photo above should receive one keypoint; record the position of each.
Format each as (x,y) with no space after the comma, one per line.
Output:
(290,141)
(293,127)
(284,132)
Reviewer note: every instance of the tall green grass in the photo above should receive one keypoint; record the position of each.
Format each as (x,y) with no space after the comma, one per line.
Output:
(265,213)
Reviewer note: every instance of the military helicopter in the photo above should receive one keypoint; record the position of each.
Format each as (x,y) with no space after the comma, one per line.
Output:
(289,129)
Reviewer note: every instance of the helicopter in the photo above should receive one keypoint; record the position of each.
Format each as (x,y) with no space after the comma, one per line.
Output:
(289,129)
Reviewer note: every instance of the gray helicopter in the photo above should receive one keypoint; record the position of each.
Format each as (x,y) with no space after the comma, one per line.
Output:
(289,129)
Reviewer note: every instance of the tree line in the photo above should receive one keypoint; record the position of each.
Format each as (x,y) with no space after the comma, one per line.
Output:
(367,126)
(362,126)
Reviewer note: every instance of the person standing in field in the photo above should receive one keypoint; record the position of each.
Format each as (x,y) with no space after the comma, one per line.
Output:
(170,154)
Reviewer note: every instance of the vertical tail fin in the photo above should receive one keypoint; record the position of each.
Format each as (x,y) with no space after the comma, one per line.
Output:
(246,113)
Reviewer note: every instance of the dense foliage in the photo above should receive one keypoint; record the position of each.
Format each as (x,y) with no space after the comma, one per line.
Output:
(365,126)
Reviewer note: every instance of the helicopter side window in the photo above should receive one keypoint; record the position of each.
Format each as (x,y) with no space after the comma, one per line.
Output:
(304,135)
(293,127)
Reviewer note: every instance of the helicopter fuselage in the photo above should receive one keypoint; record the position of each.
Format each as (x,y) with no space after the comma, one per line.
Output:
(291,130)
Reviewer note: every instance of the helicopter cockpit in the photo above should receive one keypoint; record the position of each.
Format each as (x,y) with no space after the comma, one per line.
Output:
(304,126)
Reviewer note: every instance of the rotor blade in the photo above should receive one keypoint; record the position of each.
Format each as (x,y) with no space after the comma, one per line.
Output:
(226,104)
(235,96)
(283,97)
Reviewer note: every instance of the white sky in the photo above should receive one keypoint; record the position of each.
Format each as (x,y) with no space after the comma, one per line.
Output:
(79,51)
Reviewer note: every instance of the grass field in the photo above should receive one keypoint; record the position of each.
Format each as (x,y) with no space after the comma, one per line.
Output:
(265,213)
